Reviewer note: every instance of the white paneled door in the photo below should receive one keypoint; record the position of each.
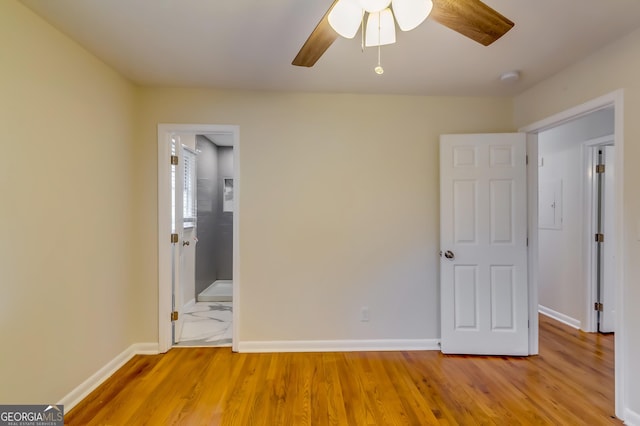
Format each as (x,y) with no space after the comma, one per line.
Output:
(177,230)
(608,248)
(483,237)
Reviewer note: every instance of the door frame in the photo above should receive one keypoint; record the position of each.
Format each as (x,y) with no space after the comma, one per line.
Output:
(164,224)
(590,226)
(615,99)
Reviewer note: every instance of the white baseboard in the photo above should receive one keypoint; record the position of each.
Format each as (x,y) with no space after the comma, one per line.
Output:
(150,348)
(631,418)
(340,345)
(571,322)
(191,303)
(85,388)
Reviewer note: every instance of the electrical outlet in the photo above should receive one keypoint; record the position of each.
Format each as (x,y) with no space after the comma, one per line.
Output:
(364,314)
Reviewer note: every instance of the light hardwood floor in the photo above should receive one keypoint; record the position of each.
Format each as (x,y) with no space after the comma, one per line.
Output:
(569,383)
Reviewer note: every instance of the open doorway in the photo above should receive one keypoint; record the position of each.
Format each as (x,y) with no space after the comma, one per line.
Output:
(575,204)
(206,279)
(180,188)
(613,100)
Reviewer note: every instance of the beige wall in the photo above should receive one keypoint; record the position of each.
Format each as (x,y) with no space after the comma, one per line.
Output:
(614,67)
(339,206)
(67,123)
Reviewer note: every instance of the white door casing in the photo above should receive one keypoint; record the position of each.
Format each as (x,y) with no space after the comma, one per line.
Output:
(483,228)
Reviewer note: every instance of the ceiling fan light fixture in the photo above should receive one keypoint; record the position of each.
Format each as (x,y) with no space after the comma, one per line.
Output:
(470,18)
(411,13)
(373,6)
(345,17)
(381,29)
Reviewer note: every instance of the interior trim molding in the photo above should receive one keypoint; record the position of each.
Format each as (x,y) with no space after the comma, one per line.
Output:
(631,418)
(190,304)
(339,345)
(565,319)
(85,388)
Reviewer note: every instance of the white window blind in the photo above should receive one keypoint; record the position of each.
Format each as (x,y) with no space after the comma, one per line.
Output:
(173,187)
(189,194)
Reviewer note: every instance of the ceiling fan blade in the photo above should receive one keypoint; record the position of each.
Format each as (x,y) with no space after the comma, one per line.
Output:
(471,18)
(318,42)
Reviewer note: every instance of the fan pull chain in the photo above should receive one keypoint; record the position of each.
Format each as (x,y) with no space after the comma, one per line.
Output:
(379,70)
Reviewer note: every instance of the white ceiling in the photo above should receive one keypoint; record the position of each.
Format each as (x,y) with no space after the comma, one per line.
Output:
(249,44)
(220,139)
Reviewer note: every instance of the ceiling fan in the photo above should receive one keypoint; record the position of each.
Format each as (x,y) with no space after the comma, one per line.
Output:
(471,18)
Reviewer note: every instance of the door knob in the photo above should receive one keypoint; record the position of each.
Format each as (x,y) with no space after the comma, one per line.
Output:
(185,243)
(449,254)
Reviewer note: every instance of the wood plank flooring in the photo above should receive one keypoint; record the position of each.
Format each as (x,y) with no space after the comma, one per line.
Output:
(569,383)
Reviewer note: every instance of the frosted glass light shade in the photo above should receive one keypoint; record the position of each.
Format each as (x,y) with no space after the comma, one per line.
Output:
(345,17)
(411,13)
(381,29)
(373,6)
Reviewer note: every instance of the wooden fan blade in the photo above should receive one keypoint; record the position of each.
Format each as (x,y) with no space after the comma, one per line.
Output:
(471,18)
(318,42)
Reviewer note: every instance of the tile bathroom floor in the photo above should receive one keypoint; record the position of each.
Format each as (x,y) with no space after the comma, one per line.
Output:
(207,324)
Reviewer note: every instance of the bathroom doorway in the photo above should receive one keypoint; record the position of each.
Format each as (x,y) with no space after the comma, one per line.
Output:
(207,315)
(198,266)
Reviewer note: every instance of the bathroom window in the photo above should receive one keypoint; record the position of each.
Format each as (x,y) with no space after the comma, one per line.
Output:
(189,194)
(173,186)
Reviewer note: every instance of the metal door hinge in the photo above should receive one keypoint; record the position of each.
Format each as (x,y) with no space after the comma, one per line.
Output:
(174,316)
(600,168)
(598,307)
(174,160)
(174,238)
(599,238)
